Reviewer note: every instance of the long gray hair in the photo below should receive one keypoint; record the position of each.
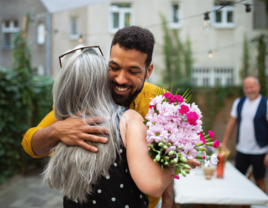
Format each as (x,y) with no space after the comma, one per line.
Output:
(82,90)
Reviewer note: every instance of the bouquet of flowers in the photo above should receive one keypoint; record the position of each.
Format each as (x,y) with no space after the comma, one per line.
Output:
(175,133)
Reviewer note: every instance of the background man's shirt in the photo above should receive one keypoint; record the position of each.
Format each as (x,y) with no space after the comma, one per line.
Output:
(247,141)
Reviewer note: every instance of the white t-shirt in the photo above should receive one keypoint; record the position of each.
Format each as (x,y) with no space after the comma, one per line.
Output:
(247,143)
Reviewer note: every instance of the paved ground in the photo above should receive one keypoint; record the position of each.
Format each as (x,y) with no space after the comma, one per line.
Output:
(29,192)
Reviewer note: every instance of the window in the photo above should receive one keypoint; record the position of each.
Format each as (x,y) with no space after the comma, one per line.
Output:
(218,76)
(41,34)
(175,15)
(224,18)
(74,28)
(121,16)
(9,29)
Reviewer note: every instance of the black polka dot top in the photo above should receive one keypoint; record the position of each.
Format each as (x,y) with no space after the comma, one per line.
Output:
(114,190)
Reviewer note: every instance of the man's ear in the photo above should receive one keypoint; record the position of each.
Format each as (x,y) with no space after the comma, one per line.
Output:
(149,71)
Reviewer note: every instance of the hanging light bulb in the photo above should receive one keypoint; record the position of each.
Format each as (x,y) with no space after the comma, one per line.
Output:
(215,52)
(210,55)
(80,40)
(248,8)
(206,24)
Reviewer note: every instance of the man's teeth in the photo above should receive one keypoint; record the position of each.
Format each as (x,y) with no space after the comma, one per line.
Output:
(121,89)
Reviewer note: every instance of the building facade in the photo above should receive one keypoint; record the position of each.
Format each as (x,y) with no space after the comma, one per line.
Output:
(217,52)
(11,18)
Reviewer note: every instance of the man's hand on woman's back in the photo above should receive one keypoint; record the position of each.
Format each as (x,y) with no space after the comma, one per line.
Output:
(71,131)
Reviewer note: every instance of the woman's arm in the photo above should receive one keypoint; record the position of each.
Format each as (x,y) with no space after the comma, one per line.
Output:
(147,174)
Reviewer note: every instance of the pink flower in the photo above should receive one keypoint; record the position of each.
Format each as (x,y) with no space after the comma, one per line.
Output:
(184,109)
(203,157)
(192,117)
(175,176)
(151,106)
(168,95)
(216,143)
(211,134)
(158,99)
(179,98)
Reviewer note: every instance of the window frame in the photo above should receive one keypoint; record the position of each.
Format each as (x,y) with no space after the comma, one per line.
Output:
(175,24)
(122,11)
(11,29)
(73,36)
(224,24)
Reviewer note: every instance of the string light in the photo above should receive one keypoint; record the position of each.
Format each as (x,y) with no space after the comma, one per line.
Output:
(206,24)
(248,8)
(210,55)
(215,52)
(80,40)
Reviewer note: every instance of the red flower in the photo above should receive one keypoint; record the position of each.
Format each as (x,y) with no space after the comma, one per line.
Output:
(216,143)
(179,98)
(211,133)
(184,109)
(202,138)
(168,95)
(175,176)
(151,106)
(192,117)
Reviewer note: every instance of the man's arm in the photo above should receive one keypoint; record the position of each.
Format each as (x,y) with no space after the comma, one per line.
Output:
(228,132)
(39,140)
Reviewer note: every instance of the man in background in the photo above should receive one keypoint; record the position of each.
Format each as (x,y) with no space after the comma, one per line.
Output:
(250,115)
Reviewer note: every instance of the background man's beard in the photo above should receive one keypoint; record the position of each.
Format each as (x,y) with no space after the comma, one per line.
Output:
(122,100)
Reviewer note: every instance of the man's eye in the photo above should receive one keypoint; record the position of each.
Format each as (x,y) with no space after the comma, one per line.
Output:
(114,69)
(133,72)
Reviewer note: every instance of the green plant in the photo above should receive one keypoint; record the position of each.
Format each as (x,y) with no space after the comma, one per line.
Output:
(178,58)
(262,43)
(245,59)
(24,100)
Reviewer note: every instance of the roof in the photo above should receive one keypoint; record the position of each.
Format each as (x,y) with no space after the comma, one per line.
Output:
(60,5)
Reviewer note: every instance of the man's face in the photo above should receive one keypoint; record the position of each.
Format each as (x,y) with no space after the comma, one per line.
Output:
(127,73)
(251,88)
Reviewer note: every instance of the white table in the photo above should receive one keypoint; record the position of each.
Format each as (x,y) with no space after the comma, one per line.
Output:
(233,189)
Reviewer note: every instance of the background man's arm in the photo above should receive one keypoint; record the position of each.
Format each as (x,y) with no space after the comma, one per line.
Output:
(38,141)
(228,132)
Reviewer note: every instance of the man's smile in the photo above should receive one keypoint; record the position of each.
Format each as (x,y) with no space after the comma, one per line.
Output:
(121,89)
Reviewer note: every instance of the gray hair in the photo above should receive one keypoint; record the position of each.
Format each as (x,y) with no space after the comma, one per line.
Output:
(82,90)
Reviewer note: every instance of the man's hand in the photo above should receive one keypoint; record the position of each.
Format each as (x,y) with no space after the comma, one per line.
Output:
(193,163)
(70,131)
(75,132)
(266,160)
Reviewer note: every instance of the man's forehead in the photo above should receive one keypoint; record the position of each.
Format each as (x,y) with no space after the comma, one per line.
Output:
(127,57)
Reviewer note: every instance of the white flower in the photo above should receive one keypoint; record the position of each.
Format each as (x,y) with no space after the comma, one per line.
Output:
(207,163)
(214,159)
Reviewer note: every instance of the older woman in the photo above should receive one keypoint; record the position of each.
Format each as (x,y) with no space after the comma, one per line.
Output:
(121,172)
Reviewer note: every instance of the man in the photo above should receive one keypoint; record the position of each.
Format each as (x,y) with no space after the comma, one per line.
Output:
(129,66)
(251,115)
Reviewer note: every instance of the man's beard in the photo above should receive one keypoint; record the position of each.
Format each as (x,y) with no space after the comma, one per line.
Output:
(124,100)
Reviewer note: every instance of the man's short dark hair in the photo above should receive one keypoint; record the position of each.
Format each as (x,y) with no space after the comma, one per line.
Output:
(137,38)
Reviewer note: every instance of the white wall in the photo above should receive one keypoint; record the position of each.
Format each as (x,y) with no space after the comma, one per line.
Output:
(95,21)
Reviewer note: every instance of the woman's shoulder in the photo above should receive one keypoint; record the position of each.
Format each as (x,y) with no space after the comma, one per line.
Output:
(132,116)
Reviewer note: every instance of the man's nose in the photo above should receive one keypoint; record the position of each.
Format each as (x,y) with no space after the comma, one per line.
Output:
(121,77)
